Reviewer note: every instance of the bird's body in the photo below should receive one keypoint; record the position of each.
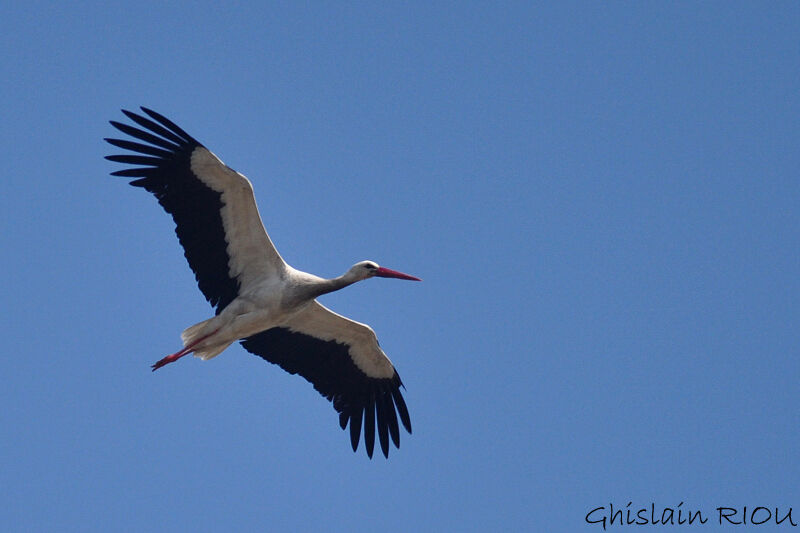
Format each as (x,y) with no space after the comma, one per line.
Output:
(260,300)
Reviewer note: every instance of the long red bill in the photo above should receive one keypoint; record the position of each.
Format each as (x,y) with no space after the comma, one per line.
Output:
(389,273)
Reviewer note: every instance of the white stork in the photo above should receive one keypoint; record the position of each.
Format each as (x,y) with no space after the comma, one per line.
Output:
(260,300)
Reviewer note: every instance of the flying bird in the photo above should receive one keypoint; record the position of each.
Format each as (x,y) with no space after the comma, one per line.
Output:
(260,300)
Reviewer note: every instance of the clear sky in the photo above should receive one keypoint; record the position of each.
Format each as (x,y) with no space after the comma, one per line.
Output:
(602,199)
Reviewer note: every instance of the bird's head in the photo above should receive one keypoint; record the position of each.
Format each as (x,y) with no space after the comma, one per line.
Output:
(369,269)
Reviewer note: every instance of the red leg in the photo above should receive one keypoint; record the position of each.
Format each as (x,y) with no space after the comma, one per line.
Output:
(168,359)
(177,355)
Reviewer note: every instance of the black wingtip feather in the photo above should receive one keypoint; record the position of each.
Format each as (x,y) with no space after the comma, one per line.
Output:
(142,182)
(169,124)
(402,410)
(383,424)
(144,136)
(369,425)
(355,428)
(135,159)
(394,429)
(138,147)
(133,172)
(158,129)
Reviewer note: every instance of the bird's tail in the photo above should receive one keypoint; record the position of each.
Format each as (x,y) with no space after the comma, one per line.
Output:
(195,334)
(211,351)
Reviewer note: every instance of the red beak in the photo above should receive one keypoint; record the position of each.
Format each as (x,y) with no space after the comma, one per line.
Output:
(389,273)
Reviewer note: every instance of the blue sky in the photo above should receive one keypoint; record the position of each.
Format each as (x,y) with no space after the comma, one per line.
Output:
(602,200)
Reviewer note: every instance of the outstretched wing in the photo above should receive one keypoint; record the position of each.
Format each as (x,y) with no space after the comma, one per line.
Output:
(215,212)
(343,361)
